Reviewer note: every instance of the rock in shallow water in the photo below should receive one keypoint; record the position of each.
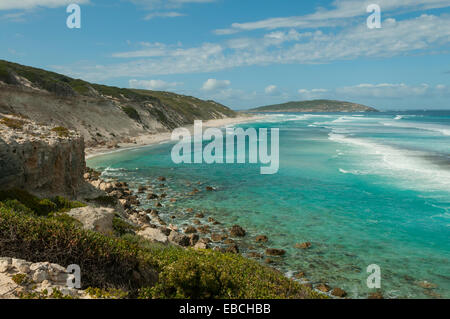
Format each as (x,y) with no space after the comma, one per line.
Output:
(275,252)
(237,231)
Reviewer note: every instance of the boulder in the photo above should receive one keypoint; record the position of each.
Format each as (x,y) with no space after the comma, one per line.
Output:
(190,230)
(253,254)
(152,196)
(375,295)
(203,229)
(179,239)
(234,249)
(154,235)
(5,264)
(97,219)
(21,265)
(275,252)
(193,239)
(218,237)
(323,287)
(261,239)
(305,245)
(338,292)
(201,245)
(237,231)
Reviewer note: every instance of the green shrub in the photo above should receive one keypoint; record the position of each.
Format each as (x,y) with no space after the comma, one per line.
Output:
(121,227)
(46,206)
(25,202)
(210,274)
(104,201)
(64,205)
(105,262)
(61,131)
(110,293)
(131,263)
(131,112)
(15,124)
(16,206)
(21,279)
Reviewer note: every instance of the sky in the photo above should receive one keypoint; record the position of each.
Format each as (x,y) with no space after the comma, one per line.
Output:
(243,53)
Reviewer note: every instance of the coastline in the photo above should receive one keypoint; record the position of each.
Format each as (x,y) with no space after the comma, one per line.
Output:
(162,137)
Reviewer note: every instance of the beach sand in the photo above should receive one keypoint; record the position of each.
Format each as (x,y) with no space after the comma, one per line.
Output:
(150,139)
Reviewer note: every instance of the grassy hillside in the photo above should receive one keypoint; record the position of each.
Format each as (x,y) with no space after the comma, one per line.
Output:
(102,114)
(315,106)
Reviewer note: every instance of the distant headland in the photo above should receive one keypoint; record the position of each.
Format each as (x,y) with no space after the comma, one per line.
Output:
(315,106)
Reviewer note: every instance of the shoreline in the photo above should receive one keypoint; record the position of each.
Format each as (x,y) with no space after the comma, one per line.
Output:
(164,137)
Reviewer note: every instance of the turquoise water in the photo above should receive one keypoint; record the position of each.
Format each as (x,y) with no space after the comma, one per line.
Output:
(362,188)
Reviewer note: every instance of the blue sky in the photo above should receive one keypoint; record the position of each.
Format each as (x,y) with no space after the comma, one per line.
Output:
(243,53)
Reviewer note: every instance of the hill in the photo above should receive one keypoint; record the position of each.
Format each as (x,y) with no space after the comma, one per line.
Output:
(315,106)
(102,114)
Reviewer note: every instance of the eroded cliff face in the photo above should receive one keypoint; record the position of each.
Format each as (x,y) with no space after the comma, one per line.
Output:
(40,159)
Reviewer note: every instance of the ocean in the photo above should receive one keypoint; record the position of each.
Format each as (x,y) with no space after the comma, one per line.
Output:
(363,188)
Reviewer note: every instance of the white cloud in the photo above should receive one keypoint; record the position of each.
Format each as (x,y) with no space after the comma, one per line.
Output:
(423,34)
(272,90)
(342,10)
(152,84)
(31,4)
(171,14)
(214,85)
(313,93)
(156,4)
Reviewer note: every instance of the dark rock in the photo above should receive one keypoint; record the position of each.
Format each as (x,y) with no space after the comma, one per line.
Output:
(161,179)
(305,245)
(142,189)
(299,275)
(261,239)
(232,249)
(338,292)
(199,215)
(203,229)
(151,196)
(193,239)
(196,222)
(179,239)
(210,188)
(190,230)
(166,231)
(275,252)
(375,295)
(253,254)
(237,231)
(218,237)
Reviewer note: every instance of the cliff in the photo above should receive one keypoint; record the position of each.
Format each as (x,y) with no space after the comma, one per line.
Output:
(39,158)
(103,115)
(315,106)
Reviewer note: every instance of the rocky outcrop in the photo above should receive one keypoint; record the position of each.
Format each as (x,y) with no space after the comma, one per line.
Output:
(19,278)
(96,219)
(39,158)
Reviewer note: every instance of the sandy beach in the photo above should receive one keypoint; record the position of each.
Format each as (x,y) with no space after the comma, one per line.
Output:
(150,139)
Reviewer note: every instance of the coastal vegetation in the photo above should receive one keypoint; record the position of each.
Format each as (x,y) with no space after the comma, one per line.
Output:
(129,263)
(102,114)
